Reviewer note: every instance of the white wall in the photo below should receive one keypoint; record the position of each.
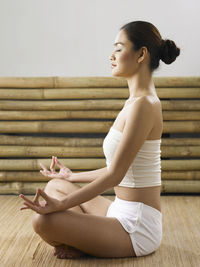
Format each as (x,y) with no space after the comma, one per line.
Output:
(75,37)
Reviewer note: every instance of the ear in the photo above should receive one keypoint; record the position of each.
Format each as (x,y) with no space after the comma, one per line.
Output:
(143,54)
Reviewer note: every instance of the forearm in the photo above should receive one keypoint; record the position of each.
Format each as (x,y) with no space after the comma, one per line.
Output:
(90,191)
(89,176)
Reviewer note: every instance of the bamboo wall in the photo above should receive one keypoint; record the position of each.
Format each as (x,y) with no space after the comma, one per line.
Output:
(69,117)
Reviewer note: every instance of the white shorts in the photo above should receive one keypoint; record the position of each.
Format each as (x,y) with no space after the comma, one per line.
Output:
(142,222)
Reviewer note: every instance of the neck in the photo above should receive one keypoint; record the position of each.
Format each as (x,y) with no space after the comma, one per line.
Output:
(141,83)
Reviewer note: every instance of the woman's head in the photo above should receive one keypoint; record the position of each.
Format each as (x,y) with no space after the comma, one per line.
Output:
(142,44)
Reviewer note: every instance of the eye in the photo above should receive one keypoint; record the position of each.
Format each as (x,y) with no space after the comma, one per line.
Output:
(118,50)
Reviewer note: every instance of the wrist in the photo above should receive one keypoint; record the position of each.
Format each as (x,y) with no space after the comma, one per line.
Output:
(71,177)
(63,203)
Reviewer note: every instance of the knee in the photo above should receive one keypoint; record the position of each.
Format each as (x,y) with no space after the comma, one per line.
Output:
(39,223)
(56,183)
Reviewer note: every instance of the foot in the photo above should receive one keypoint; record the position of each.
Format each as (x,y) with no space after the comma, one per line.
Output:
(67,252)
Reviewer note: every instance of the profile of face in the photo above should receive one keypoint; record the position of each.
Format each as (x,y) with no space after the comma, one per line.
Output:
(125,62)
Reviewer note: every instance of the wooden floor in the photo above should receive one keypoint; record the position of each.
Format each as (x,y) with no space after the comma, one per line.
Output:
(20,246)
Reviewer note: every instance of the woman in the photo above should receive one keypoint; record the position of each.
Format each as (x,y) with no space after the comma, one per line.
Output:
(79,221)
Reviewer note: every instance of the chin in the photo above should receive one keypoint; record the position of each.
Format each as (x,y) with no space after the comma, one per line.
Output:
(117,74)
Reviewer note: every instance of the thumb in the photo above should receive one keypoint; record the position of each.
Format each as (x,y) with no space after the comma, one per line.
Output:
(36,198)
(43,194)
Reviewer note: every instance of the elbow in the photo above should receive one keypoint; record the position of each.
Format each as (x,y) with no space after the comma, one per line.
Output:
(114,178)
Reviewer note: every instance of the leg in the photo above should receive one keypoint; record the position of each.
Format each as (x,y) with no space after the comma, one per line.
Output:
(59,188)
(95,235)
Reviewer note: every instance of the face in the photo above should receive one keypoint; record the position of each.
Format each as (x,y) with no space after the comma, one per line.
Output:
(124,57)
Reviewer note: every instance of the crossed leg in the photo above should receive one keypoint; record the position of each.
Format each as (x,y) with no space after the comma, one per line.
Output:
(84,227)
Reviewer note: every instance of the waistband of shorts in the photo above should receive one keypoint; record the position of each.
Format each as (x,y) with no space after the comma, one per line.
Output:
(148,209)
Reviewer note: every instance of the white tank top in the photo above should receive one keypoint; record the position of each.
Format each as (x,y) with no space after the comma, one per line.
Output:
(145,170)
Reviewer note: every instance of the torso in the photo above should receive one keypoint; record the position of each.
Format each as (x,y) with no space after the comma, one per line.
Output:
(147,195)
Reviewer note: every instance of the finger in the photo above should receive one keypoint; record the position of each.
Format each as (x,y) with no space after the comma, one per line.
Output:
(58,163)
(33,207)
(50,174)
(42,165)
(43,194)
(24,208)
(26,199)
(45,172)
(52,167)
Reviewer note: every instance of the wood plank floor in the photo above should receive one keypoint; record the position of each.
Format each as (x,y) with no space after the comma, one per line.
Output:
(20,246)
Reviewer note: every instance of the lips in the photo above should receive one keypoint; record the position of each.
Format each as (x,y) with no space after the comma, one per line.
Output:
(113,65)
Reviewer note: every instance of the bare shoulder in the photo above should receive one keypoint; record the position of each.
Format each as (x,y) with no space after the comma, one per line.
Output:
(144,102)
(138,125)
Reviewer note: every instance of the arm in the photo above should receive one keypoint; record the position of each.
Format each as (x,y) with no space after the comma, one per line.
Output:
(137,127)
(67,174)
(96,187)
(88,176)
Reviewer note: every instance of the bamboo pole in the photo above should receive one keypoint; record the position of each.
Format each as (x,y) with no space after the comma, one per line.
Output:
(121,82)
(86,126)
(100,114)
(178,92)
(27,82)
(181,115)
(36,176)
(23,176)
(82,142)
(59,115)
(184,105)
(180,165)
(58,141)
(184,186)
(51,141)
(88,105)
(181,127)
(90,163)
(19,93)
(180,175)
(33,164)
(55,127)
(112,93)
(62,105)
(90,82)
(86,152)
(70,82)
(180,151)
(180,141)
(41,151)
(177,81)
(168,186)
(93,93)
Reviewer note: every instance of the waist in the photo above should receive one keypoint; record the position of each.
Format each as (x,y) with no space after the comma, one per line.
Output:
(148,195)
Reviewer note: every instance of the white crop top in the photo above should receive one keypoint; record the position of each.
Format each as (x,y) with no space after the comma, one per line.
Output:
(145,170)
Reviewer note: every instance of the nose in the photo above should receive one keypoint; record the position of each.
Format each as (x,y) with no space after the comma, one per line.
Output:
(111,57)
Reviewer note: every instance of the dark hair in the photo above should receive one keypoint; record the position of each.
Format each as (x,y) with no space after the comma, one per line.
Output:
(143,33)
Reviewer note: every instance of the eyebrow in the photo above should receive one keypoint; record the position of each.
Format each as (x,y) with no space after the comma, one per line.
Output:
(118,43)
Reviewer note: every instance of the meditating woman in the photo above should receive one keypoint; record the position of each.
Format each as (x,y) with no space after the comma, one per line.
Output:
(79,221)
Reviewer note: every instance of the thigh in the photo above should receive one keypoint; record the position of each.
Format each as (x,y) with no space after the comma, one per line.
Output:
(95,235)
(96,206)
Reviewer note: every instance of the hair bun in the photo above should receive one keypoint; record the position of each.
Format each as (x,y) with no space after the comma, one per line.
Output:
(168,51)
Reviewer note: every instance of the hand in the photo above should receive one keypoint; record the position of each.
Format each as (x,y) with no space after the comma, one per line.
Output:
(64,172)
(48,206)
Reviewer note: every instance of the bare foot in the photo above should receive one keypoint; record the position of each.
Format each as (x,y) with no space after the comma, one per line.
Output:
(67,252)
